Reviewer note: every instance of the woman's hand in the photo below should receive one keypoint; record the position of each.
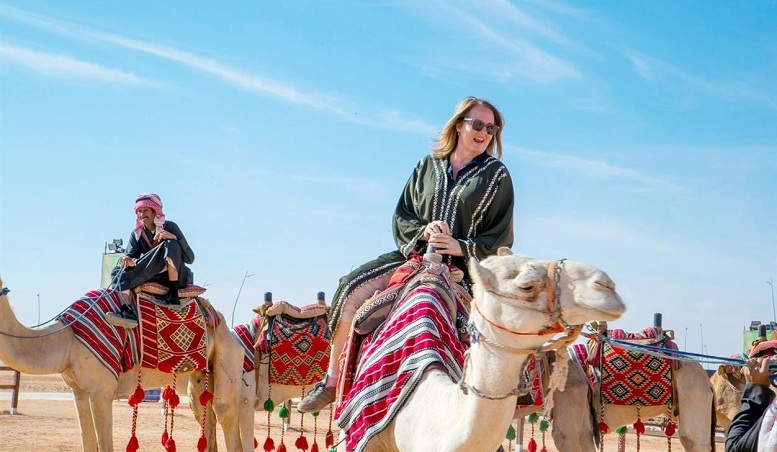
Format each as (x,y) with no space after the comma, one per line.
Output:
(445,244)
(127,261)
(435,227)
(164,235)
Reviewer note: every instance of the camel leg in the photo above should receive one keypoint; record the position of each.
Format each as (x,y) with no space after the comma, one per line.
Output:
(102,408)
(85,420)
(195,388)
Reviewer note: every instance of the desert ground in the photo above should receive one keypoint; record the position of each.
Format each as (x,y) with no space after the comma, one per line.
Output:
(51,426)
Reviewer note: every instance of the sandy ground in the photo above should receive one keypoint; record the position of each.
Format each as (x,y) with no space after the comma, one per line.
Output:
(52,426)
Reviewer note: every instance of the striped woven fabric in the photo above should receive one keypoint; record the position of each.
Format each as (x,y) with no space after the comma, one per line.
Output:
(116,348)
(246,336)
(418,334)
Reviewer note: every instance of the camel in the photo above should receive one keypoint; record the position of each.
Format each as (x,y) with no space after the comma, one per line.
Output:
(55,349)
(237,419)
(515,298)
(572,422)
(694,401)
(727,384)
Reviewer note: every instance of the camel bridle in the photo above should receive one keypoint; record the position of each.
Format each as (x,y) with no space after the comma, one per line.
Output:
(570,334)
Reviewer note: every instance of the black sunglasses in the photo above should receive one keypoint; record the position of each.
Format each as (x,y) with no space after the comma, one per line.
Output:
(478,125)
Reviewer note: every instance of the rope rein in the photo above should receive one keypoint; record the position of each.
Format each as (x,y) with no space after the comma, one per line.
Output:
(91,301)
(570,334)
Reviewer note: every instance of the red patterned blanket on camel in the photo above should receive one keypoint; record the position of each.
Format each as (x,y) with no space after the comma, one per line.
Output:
(174,338)
(419,334)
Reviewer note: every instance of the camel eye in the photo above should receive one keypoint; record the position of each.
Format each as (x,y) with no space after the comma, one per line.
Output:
(526,287)
(606,284)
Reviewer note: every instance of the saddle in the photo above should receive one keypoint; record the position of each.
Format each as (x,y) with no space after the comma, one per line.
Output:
(296,339)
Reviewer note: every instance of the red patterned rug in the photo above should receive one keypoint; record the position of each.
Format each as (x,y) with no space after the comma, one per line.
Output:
(173,338)
(634,378)
(246,336)
(116,348)
(299,350)
(534,371)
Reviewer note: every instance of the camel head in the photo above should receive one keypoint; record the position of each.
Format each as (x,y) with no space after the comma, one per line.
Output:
(528,295)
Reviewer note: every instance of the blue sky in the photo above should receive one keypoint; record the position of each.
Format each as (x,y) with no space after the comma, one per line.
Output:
(641,137)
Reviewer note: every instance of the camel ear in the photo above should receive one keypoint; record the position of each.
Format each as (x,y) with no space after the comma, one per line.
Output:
(504,251)
(481,275)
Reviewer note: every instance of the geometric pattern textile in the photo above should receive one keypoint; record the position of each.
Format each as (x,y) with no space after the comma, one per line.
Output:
(173,338)
(634,378)
(534,371)
(299,350)
(116,348)
(246,336)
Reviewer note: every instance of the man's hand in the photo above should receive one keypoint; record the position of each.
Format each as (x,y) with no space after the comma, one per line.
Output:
(127,261)
(757,371)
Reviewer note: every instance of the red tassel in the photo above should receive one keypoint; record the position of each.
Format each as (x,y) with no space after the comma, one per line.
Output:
(256,443)
(170,447)
(202,444)
(604,428)
(167,393)
(532,445)
(330,439)
(639,427)
(206,397)
(175,400)
(269,444)
(282,448)
(165,437)
(301,443)
(132,445)
(137,396)
(671,427)
(314,448)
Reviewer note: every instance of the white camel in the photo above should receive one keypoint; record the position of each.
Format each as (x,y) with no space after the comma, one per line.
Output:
(55,349)
(516,297)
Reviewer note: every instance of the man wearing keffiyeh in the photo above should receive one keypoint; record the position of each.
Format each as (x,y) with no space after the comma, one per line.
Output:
(157,252)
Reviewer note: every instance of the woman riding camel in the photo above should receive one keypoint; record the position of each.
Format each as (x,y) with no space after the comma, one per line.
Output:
(459,199)
(157,252)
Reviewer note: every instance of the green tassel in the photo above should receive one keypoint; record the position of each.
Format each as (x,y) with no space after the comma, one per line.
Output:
(269,405)
(534,417)
(331,450)
(284,412)
(315,414)
(544,425)
(510,433)
(620,430)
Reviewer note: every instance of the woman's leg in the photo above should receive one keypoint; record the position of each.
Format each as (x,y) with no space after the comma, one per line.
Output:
(354,289)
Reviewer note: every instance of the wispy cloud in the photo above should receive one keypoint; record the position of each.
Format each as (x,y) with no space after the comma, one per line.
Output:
(65,66)
(331,104)
(657,71)
(594,169)
(518,58)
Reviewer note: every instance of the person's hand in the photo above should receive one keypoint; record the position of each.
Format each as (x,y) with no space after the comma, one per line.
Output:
(164,235)
(127,261)
(757,371)
(445,244)
(435,227)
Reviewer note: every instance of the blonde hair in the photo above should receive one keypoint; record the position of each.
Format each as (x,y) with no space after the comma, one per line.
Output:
(449,136)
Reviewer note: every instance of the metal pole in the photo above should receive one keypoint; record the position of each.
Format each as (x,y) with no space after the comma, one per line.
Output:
(38,308)
(238,297)
(774,311)
(685,345)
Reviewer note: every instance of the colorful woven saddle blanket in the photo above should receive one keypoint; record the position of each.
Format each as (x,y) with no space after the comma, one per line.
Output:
(630,377)
(537,371)
(382,369)
(116,348)
(297,341)
(246,336)
(174,339)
